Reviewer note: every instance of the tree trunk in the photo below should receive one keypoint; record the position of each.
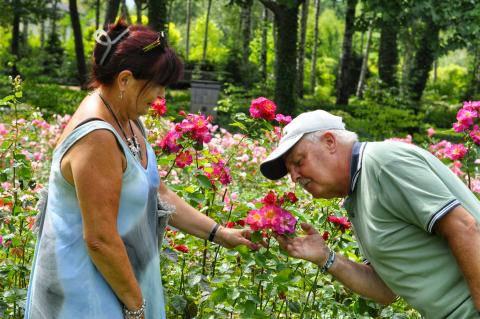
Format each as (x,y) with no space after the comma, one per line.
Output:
(42,33)
(246,17)
(97,14)
(157,14)
(169,16)
(54,18)
(408,43)
(205,35)
(423,60)
(187,37)
(111,14)
(263,52)
(313,70)
(344,70)
(24,35)
(301,48)
(286,20)
(363,72)
(388,54)
(138,5)
(124,12)
(77,33)
(15,35)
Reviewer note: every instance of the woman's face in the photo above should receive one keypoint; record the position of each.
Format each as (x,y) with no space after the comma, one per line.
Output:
(143,96)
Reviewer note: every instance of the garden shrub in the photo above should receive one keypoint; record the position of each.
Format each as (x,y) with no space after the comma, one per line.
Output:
(200,279)
(53,99)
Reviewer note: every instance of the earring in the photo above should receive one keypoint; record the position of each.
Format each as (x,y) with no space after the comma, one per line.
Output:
(121,95)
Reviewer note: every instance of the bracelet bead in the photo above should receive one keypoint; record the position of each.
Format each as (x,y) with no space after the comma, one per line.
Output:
(134,314)
(329,262)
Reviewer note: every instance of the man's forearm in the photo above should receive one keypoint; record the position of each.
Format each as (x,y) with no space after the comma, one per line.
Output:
(361,279)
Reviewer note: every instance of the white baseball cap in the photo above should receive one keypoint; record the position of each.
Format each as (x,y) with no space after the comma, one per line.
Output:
(273,167)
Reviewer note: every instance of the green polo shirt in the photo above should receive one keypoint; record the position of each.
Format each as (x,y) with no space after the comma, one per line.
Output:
(398,193)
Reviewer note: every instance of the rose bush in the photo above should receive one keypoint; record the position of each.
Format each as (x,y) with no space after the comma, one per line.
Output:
(216,171)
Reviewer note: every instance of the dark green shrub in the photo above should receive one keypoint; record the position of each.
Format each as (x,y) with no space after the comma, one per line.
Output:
(52,98)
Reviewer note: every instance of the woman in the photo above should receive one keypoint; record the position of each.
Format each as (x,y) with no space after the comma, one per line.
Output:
(97,256)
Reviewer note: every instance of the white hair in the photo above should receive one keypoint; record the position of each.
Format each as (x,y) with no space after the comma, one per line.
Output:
(342,136)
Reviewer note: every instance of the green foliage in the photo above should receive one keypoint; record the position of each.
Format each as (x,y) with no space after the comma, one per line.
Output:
(451,83)
(330,31)
(325,89)
(52,98)
(216,49)
(383,113)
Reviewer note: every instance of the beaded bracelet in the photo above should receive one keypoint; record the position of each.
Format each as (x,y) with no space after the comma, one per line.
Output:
(134,314)
(213,232)
(329,262)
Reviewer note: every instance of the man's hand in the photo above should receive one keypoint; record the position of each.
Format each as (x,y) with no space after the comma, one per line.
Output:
(310,247)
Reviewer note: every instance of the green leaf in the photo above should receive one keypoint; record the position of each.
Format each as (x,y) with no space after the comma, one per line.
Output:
(218,295)
(294,306)
(283,276)
(261,260)
(204,181)
(249,308)
(179,303)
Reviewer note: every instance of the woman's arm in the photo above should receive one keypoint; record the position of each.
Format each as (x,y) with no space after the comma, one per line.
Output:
(95,165)
(188,219)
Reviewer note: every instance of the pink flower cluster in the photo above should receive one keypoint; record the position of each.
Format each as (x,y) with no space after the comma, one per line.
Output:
(465,120)
(407,139)
(272,215)
(263,108)
(445,149)
(159,106)
(193,127)
(341,222)
(220,172)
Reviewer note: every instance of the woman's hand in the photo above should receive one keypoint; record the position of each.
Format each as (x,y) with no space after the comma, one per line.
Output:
(231,238)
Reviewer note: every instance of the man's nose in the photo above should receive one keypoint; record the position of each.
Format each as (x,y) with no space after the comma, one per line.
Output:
(294,176)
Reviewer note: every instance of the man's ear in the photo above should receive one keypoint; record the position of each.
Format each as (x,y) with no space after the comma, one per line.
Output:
(330,141)
(123,79)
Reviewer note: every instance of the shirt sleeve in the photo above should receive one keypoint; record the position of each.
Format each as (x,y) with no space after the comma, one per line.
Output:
(412,192)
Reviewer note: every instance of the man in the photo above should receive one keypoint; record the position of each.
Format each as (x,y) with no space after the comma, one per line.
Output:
(416,223)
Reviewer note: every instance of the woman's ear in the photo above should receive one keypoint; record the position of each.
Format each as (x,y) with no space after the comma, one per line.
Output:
(124,78)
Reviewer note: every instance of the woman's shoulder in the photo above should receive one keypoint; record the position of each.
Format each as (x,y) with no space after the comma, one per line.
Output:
(87,111)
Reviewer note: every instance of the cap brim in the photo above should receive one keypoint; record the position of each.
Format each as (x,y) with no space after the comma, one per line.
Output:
(273,167)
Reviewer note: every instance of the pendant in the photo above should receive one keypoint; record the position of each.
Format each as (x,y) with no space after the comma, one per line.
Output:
(134,147)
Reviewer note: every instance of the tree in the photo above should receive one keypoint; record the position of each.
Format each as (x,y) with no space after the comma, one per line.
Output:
(157,14)
(111,13)
(138,6)
(301,48)
(15,34)
(187,36)
(205,35)
(388,51)
(77,32)
(286,21)
(363,71)
(345,62)
(313,70)
(263,51)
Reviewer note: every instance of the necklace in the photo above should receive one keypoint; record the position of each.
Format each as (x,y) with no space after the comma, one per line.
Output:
(132,142)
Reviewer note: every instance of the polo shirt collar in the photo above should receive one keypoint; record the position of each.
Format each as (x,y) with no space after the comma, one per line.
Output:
(356,164)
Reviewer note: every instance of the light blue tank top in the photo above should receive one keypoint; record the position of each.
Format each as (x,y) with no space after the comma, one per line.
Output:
(64,282)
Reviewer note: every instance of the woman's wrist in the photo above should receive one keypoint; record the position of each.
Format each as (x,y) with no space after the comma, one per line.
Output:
(213,232)
(137,313)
